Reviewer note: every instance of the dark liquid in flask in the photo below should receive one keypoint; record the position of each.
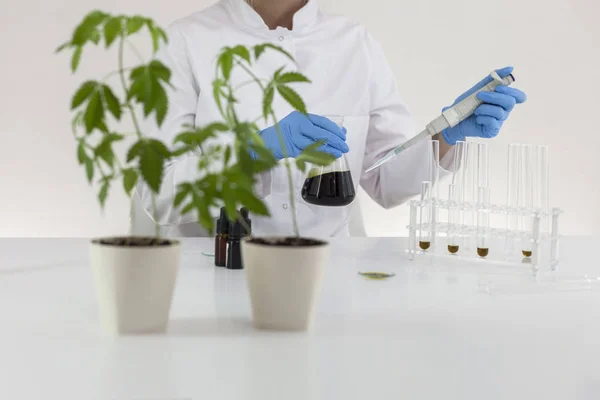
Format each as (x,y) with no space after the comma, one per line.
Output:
(332,189)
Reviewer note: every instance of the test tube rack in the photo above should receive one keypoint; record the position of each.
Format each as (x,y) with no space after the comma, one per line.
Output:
(459,227)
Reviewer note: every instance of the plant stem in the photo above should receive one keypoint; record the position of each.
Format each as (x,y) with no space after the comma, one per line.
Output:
(137,53)
(288,167)
(136,125)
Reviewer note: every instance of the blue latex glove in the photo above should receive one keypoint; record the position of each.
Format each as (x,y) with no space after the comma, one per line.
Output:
(300,131)
(488,118)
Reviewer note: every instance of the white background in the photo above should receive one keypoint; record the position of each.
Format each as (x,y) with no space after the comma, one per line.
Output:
(437,49)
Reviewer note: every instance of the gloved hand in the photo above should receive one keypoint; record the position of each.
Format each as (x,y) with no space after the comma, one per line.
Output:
(300,131)
(488,118)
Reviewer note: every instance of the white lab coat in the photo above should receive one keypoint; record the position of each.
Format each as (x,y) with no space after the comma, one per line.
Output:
(350,77)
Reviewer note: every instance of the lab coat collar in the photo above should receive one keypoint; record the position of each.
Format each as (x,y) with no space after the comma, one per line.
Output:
(246,15)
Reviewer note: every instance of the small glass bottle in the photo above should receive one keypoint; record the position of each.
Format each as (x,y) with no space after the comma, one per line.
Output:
(221,239)
(234,253)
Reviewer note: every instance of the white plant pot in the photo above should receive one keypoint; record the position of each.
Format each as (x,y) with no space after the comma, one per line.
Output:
(134,285)
(284,283)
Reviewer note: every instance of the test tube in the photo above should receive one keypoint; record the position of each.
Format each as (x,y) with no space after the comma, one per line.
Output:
(434,175)
(483,166)
(469,215)
(483,221)
(541,193)
(425,216)
(525,199)
(453,218)
(512,190)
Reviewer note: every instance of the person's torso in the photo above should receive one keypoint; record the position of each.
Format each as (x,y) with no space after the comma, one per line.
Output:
(330,51)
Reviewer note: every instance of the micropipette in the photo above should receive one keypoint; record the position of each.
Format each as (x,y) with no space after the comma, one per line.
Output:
(449,118)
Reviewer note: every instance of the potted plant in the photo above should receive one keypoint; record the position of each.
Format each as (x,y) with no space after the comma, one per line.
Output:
(135,276)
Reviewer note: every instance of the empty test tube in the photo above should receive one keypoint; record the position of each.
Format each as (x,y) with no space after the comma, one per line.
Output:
(541,192)
(483,167)
(425,216)
(453,218)
(483,221)
(525,199)
(512,190)
(434,175)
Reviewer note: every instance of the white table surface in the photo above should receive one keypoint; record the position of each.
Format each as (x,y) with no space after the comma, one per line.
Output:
(428,333)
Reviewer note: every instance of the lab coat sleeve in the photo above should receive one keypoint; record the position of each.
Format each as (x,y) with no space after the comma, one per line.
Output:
(390,125)
(183,102)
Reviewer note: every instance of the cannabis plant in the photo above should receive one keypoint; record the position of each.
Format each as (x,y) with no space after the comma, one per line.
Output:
(142,92)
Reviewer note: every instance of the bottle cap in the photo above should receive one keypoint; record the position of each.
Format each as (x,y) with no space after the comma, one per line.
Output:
(223,223)
(236,230)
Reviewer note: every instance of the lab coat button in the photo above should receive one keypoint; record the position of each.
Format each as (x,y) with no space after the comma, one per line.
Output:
(284,206)
(281,38)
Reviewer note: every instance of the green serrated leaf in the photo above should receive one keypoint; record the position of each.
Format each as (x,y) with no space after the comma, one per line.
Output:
(277,73)
(84,91)
(154,34)
(161,104)
(301,165)
(81,154)
(289,77)
(85,30)
(153,154)
(279,49)
(242,52)
(89,169)
(95,37)
(62,47)
(227,155)
(135,150)
(104,149)
(134,24)
(225,62)
(217,89)
(268,101)
(112,29)
(162,34)
(159,70)
(103,194)
(112,102)
(259,50)
(183,191)
(230,201)
(292,97)
(130,177)
(251,202)
(94,112)
(75,58)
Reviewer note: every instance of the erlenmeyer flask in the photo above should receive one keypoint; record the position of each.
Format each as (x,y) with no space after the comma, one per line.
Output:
(331,185)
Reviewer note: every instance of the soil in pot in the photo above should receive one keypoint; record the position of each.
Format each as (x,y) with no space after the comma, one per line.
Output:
(134,241)
(288,242)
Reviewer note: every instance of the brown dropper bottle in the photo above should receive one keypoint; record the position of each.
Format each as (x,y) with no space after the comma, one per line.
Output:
(221,239)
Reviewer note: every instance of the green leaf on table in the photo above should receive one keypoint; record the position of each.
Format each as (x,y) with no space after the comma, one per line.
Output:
(82,94)
(225,62)
(292,97)
(103,192)
(134,24)
(130,177)
(94,112)
(89,169)
(112,29)
(75,58)
(153,154)
(87,29)
(251,202)
(290,77)
(268,101)
(112,102)
(242,52)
